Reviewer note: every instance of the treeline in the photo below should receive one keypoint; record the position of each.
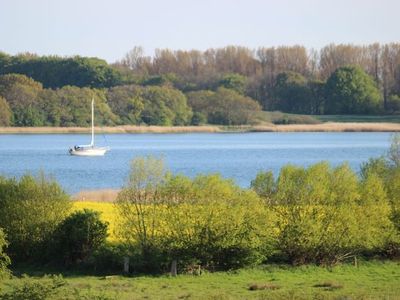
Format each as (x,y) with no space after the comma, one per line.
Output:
(219,86)
(260,68)
(24,102)
(319,214)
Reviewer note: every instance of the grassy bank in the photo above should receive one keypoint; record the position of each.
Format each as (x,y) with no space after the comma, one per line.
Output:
(322,127)
(369,280)
(359,118)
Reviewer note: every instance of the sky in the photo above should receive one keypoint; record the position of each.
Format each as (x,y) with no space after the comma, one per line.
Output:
(110,28)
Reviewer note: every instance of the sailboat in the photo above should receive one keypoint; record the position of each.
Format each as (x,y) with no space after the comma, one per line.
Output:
(91,149)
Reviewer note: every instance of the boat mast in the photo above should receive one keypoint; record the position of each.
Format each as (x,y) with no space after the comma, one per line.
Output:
(92,143)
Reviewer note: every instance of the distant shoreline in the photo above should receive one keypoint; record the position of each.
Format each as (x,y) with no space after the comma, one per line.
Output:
(323,127)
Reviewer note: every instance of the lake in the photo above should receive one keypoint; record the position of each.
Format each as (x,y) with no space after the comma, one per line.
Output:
(235,155)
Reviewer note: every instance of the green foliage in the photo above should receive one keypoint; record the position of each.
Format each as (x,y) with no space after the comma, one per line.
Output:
(137,209)
(264,186)
(394,151)
(234,82)
(79,235)
(6,116)
(198,118)
(350,90)
(70,106)
(21,94)
(56,72)
(292,93)
(165,106)
(4,259)
(34,289)
(393,104)
(127,103)
(226,227)
(326,215)
(225,106)
(30,210)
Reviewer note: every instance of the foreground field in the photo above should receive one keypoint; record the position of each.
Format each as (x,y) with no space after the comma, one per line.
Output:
(370,280)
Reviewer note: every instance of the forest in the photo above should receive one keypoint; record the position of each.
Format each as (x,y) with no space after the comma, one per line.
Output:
(228,86)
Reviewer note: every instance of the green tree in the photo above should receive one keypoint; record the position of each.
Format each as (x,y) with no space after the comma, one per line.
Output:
(70,106)
(234,82)
(224,106)
(292,93)
(30,210)
(165,106)
(4,259)
(212,222)
(5,113)
(349,90)
(55,72)
(139,215)
(22,93)
(127,103)
(264,186)
(326,215)
(79,235)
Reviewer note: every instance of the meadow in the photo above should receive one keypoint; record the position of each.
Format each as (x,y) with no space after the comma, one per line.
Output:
(367,280)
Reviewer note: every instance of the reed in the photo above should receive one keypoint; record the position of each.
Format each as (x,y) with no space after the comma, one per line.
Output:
(268,127)
(104,195)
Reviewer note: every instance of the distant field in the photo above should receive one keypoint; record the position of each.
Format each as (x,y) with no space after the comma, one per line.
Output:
(359,118)
(370,280)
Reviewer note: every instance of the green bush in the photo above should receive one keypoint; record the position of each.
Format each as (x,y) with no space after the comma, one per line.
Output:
(34,289)
(208,220)
(4,259)
(30,210)
(325,214)
(79,235)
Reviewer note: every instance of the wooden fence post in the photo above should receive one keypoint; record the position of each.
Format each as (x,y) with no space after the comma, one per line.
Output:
(174,271)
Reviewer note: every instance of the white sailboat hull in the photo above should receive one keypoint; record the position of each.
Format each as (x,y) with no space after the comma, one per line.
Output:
(90,149)
(95,151)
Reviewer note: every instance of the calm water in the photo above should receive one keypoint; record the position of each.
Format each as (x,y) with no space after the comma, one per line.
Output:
(238,156)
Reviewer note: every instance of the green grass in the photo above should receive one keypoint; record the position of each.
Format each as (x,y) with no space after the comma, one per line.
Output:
(370,280)
(359,118)
(277,117)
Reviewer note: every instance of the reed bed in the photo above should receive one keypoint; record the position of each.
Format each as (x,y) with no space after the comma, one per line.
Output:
(105,195)
(323,127)
(330,127)
(113,129)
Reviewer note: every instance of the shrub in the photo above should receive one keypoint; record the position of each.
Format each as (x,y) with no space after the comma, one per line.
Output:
(30,210)
(34,289)
(79,235)
(4,259)
(207,221)
(325,214)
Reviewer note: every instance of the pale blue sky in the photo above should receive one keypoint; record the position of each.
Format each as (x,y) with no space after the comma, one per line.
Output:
(108,29)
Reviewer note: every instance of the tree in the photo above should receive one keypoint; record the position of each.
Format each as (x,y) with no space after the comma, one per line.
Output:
(264,186)
(55,72)
(325,214)
(164,106)
(127,103)
(292,93)
(5,113)
(351,91)
(224,106)
(234,82)
(394,151)
(4,259)
(22,93)
(79,235)
(139,215)
(30,210)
